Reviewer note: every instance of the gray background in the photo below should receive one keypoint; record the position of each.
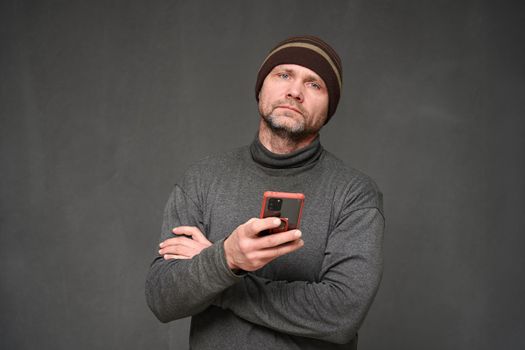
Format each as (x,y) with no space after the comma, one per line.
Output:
(104,104)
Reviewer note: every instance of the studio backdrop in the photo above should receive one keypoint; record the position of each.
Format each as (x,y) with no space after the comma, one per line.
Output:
(104,104)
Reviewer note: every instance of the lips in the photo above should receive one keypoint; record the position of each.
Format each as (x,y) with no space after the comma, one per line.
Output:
(290,108)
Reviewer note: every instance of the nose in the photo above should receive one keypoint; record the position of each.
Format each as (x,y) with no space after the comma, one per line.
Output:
(295,92)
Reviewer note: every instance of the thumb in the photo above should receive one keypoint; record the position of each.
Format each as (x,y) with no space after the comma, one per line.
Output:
(258,225)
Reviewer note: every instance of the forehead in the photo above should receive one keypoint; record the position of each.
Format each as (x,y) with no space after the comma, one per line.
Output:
(298,70)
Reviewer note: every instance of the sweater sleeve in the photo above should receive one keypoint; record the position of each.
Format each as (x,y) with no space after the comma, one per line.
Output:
(331,309)
(180,288)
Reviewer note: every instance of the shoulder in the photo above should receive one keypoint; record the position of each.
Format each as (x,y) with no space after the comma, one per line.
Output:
(359,190)
(199,178)
(217,161)
(213,166)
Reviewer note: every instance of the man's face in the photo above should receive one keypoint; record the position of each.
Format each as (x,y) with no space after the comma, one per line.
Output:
(293,101)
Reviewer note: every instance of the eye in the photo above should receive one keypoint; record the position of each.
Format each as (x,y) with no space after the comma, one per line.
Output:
(315,85)
(283,75)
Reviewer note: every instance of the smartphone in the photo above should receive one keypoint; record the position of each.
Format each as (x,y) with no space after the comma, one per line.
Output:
(284,205)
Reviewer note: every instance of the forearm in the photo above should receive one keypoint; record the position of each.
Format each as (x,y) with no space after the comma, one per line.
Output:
(324,311)
(332,309)
(181,288)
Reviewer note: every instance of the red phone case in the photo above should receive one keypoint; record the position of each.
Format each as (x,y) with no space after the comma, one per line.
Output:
(286,206)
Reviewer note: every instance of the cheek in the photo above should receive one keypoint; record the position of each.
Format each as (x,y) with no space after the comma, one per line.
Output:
(264,106)
(267,95)
(323,105)
(266,99)
(320,105)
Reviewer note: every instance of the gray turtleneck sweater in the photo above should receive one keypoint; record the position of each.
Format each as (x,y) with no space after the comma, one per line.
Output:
(313,298)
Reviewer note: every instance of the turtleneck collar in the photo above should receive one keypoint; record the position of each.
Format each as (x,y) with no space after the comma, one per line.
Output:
(300,158)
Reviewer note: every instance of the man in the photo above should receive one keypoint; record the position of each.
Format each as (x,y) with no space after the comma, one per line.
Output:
(307,289)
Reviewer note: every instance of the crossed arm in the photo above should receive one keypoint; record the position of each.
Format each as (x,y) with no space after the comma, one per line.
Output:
(331,309)
(244,248)
(191,272)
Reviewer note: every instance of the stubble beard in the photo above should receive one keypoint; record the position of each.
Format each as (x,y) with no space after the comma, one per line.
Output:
(296,132)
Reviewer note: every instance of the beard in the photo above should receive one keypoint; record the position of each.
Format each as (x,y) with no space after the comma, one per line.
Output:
(286,125)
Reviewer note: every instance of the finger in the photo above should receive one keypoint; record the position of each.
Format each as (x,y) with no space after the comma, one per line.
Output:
(179,241)
(275,252)
(276,239)
(180,250)
(192,231)
(171,256)
(180,245)
(185,230)
(254,227)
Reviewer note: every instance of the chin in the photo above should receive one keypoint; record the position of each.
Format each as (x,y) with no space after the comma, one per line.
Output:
(287,128)
(285,123)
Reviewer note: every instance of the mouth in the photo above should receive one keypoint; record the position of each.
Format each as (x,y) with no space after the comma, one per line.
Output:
(290,108)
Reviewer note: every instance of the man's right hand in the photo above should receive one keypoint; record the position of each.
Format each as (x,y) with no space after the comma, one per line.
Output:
(246,250)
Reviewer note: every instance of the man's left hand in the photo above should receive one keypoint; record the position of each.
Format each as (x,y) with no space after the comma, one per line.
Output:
(184,247)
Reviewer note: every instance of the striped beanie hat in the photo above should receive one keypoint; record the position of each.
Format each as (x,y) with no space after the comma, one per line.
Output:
(310,52)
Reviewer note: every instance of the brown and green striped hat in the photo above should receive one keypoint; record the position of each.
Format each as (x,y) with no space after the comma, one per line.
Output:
(310,52)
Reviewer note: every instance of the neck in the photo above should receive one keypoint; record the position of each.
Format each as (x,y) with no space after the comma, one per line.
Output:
(281,145)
